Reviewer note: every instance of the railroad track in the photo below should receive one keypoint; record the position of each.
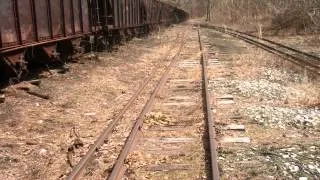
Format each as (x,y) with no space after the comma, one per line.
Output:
(303,59)
(174,135)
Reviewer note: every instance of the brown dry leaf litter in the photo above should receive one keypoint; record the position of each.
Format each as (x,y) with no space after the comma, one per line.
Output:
(37,134)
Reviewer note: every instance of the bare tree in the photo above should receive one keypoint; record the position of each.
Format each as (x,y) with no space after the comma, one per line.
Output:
(301,16)
(209,10)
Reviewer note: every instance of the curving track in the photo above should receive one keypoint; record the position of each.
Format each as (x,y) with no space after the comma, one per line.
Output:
(306,60)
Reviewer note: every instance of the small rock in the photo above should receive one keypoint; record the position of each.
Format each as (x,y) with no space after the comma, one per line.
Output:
(294,168)
(310,166)
(89,114)
(43,152)
(303,178)
(285,156)
(293,156)
(235,140)
(225,102)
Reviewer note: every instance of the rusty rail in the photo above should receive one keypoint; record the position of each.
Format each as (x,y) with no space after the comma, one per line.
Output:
(118,167)
(212,134)
(303,59)
(78,169)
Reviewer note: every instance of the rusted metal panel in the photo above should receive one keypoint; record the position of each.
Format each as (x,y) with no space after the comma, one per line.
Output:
(144,11)
(120,13)
(8,31)
(124,17)
(122,6)
(152,10)
(68,17)
(127,13)
(110,14)
(104,13)
(116,13)
(76,16)
(56,18)
(149,13)
(85,17)
(130,12)
(26,23)
(42,19)
(124,10)
(135,6)
(94,14)
(139,12)
(132,4)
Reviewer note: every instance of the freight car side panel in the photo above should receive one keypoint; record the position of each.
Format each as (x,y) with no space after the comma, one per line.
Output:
(116,13)
(68,17)
(85,17)
(139,12)
(76,16)
(122,13)
(129,13)
(56,18)
(7,23)
(149,11)
(135,6)
(25,19)
(41,9)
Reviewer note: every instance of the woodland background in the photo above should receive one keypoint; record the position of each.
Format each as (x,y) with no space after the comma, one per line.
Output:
(273,17)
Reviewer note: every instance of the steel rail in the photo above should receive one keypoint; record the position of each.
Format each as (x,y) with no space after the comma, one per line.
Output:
(255,38)
(278,44)
(209,116)
(78,169)
(291,57)
(118,166)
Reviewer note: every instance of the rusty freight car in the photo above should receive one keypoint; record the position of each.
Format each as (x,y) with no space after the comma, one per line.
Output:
(40,30)
(43,31)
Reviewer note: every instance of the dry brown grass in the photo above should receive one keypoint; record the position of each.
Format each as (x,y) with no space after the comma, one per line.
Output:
(85,99)
(306,92)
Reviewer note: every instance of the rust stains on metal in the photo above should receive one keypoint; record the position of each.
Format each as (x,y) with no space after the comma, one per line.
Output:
(78,169)
(212,134)
(118,167)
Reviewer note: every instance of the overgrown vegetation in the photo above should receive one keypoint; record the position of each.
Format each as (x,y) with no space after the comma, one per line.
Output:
(273,16)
